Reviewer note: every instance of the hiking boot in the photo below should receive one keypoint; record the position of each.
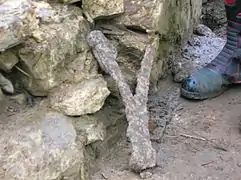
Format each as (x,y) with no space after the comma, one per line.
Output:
(225,69)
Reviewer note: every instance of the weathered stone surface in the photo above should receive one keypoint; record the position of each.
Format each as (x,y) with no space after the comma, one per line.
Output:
(45,148)
(101,9)
(8,59)
(91,127)
(144,14)
(82,67)
(38,144)
(52,47)
(85,97)
(160,16)
(17,21)
(56,52)
(6,85)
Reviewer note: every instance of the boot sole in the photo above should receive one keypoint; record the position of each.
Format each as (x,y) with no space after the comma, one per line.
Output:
(198,96)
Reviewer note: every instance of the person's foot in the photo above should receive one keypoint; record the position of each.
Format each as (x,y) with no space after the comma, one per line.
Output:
(206,83)
(225,69)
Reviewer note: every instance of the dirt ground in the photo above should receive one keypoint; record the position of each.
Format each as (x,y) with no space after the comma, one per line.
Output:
(202,142)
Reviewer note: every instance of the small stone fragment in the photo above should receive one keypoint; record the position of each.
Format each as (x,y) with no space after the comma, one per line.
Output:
(146,174)
(42,147)
(78,99)
(6,85)
(90,126)
(100,8)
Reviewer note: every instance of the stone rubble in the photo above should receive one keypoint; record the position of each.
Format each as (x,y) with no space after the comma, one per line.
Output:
(86,97)
(44,145)
(43,46)
(46,149)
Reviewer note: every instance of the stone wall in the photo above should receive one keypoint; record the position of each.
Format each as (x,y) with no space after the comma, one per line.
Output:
(44,50)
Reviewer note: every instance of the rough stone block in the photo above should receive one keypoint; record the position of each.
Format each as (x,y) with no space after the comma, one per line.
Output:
(82,98)
(102,9)
(53,47)
(17,21)
(43,149)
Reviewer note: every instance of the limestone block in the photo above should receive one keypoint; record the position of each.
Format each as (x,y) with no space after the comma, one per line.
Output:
(43,149)
(161,16)
(38,144)
(17,21)
(53,47)
(102,9)
(85,97)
